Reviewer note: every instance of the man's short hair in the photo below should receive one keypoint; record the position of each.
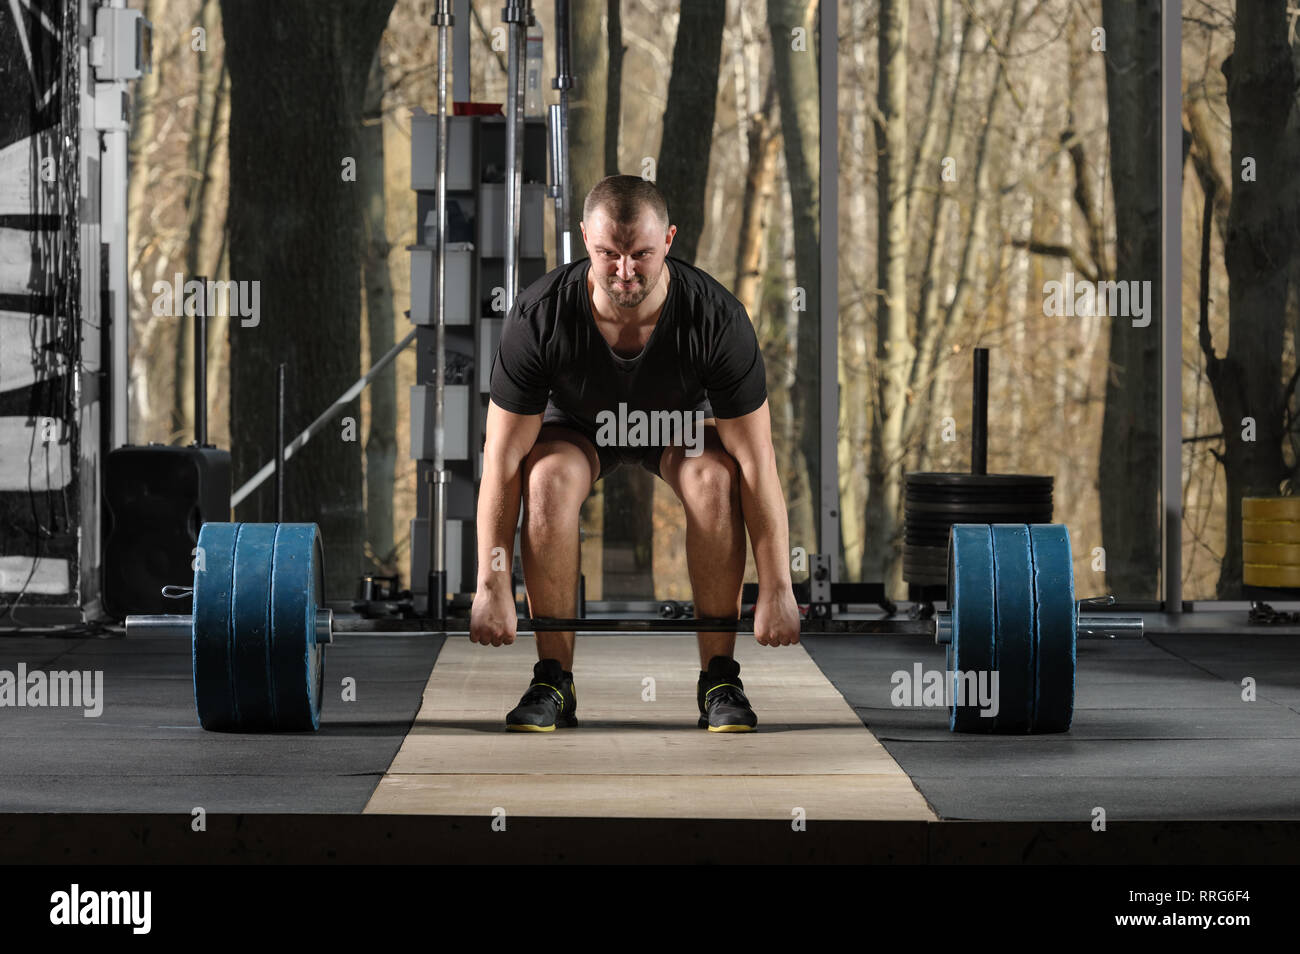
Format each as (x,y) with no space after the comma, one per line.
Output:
(623,198)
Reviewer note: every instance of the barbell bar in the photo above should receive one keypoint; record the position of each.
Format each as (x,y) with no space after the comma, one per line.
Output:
(328,623)
(259,627)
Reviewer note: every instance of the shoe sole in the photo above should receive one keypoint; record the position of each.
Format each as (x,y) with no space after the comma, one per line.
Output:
(735,727)
(564,724)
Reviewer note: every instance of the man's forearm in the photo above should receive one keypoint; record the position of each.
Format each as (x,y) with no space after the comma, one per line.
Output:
(498,515)
(767,520)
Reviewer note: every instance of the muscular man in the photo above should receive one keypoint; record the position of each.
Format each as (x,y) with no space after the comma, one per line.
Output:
(630,356)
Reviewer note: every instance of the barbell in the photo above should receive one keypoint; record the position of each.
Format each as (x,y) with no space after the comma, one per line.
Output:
(259,626)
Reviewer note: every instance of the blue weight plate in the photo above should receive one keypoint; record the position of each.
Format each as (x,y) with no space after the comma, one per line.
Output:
(1057,622)
(1013,571)
(251,612)
(970,585)
(211,631)
(297,660)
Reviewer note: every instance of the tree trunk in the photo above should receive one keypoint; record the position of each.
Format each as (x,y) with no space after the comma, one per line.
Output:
(297,86)
(614,87)
(381,442)
(857,164)
(606,518)
(688,120)
(682,174)
(215,248)
(1129,471)
(893,336)
(798,87)
(211,75)
(588,114)
(1262,231)
(760,180)
(144,107)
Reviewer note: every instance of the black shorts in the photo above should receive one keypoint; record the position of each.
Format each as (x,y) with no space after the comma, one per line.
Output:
(611,458)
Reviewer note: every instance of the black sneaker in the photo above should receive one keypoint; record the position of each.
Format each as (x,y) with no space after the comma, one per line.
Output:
(723,706)
(549,701)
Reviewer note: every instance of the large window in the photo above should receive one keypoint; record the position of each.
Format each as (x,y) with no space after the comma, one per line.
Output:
(999,188)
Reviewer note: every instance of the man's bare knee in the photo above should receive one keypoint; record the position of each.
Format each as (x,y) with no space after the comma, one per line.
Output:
(709,478)
(554,483)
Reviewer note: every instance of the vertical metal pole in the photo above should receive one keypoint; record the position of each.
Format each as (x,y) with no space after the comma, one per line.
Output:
(559,160)
(201,366)
(279,445)
(829,403)
(439,475)
(564,81)
(460,60)
(516,15)
(979,414)
(111,155)
(1171,341)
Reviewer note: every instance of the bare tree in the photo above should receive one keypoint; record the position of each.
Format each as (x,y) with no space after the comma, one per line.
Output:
(794,65)
(683,166)
(1130,496)
(297,91)
(894,348)
(614,87)
(1263,220)
(203,228)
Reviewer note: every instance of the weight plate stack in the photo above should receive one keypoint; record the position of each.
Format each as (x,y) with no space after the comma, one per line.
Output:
(1011,657)
(257,664)
(1270,533)
(935,502)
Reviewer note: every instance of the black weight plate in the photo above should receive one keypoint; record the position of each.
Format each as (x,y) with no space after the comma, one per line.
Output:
(939,479)
(924,554)
(939,512)
(976,493)
(935,508)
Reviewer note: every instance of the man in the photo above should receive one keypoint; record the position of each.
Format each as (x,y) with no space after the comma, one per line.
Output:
(629,334)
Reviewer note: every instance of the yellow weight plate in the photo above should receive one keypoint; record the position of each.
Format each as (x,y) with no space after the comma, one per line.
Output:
(1274,554)
(1270,508)
(1270,531)
(1262,574)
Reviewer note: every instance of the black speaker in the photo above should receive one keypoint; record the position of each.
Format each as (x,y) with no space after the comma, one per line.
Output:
(156,499)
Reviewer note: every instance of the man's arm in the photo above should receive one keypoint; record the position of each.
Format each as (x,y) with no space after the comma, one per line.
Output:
(749,440)
(509,438)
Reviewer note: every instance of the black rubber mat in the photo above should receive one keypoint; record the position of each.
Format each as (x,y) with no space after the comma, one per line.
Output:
(145,751)
(1161,731)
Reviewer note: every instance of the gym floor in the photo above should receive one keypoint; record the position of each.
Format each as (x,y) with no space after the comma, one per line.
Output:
(1161,734)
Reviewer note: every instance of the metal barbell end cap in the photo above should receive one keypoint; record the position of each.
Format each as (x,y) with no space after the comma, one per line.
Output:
(324,626)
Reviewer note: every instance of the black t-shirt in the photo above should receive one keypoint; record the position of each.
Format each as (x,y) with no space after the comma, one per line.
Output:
(702,354)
